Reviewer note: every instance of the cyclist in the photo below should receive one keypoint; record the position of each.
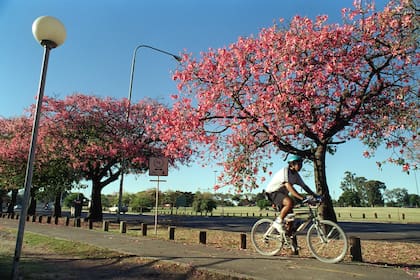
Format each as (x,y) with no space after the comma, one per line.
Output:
(281,185)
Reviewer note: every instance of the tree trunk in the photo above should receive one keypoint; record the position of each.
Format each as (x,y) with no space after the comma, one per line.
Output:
(57,205)
(32,205)
(13,200)
(326,209)
(95,210)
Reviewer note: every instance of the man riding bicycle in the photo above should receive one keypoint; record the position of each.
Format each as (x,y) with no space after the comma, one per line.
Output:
(281,185)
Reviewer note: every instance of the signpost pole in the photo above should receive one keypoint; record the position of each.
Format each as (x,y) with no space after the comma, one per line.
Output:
(158,167)
(156,206)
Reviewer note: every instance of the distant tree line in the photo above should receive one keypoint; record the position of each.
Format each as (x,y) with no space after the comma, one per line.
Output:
(361,192)
(357,192)
(203,202)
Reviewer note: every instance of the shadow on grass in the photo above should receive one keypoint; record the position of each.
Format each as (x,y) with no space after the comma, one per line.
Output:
(122,267)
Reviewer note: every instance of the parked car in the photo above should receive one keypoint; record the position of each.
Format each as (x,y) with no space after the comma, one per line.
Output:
(17,208)
(114,209)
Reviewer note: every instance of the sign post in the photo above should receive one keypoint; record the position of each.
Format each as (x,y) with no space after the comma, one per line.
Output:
(158,167)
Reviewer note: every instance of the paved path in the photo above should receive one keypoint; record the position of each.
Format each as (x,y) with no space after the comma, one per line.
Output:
(240,263)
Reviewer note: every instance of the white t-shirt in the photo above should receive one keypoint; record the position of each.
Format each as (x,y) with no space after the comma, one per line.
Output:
(283,176)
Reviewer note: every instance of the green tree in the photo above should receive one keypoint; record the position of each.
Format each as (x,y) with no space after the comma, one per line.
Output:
(259,196)
(171,197)
(54,177)
(373,191)
(397,197)
(106,201)
(223,199)
(143,200)
(353,186)
(349,198)
(189,196)
(263,203)
(113,199)
(203,202)
(72,197)
(413,200)
(358,191)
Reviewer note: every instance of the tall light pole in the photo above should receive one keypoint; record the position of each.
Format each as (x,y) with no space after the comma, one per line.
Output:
(130,89)
(50,33)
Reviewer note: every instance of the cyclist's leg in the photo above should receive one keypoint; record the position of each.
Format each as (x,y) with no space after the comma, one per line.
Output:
(276,198)
(287,206)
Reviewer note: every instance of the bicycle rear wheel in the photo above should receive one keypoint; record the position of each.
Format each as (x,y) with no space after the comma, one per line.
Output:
(327,241)
(265,238)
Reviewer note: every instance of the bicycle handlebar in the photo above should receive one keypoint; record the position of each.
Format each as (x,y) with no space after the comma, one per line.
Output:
(313,200)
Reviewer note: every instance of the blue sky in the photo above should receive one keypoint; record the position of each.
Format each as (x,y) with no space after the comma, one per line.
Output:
(96,58)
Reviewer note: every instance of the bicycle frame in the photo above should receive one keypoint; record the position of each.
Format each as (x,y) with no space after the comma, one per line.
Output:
(311,219)
(331,246)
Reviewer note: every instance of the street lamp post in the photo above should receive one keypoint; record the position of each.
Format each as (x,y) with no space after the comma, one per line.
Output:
(50,33)
(130,89)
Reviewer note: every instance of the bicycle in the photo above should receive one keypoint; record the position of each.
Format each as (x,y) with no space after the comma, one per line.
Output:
(326,240)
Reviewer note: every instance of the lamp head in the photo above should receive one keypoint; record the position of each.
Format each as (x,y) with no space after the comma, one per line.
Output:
(49,31)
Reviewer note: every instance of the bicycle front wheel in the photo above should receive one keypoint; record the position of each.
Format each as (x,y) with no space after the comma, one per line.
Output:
(265,238)
(327,241)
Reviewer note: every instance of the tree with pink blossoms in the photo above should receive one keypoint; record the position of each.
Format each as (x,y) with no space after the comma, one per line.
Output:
(96,137)
(304,89)
(52,172)
(85,137)
(12,155)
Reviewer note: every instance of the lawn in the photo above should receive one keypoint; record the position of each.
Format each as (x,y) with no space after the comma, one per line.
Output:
(359,214)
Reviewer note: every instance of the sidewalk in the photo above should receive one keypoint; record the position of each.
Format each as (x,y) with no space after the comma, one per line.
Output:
(240,263)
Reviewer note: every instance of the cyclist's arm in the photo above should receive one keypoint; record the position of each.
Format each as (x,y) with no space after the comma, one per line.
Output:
(305,187)
(308,190)
(293,191)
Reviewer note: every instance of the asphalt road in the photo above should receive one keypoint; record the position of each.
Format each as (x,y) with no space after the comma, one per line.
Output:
(365,231)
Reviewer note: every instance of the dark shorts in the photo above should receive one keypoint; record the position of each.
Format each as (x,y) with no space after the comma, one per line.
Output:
(277,197)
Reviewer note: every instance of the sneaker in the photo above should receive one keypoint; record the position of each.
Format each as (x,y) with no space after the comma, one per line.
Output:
(294,248)
(279,227)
